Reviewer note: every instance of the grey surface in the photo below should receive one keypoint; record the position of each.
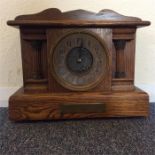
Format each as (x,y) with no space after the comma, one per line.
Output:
(125,136)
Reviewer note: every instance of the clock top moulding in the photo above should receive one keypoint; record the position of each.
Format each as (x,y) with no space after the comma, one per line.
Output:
(81,18)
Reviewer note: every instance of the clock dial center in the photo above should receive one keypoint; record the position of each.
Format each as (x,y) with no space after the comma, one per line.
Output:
(79,60)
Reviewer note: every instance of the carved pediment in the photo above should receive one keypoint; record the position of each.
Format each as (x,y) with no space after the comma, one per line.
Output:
(54,16)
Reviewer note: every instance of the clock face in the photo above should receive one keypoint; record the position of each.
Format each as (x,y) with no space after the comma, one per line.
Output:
(79,61)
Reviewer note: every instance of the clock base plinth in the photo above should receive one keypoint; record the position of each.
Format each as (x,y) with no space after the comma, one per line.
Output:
(54,106)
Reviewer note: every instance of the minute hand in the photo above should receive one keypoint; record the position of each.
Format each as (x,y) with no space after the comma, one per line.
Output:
(80,50)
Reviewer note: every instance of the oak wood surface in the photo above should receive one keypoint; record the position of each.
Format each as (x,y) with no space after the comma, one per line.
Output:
(82,18)
(41,106)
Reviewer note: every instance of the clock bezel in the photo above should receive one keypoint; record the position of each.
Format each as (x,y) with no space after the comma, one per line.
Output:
(87,87)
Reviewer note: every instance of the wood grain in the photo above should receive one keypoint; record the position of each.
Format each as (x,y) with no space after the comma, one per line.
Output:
(80,18)
(30,106)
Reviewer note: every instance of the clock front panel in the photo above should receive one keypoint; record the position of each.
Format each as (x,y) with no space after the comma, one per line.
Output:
(78,60)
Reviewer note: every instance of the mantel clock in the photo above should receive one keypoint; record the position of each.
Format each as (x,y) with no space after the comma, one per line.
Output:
(77,64)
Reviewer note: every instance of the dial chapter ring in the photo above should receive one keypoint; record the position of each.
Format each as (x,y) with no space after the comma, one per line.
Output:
(91,80)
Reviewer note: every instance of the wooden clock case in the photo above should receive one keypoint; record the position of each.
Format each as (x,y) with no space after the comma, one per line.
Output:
(44,98)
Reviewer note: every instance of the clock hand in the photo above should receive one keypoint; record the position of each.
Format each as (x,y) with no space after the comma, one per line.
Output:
(80,50)
(79,60)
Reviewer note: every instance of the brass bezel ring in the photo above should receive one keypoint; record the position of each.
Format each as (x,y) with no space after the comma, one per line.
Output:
(75,87)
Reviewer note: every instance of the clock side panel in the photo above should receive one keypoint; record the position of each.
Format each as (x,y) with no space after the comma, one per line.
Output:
(34,59)
(54,35)
(124,40)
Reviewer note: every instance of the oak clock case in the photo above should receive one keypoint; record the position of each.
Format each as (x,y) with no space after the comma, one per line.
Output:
(77,64)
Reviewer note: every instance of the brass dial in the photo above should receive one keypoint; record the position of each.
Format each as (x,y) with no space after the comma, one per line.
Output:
(79,61)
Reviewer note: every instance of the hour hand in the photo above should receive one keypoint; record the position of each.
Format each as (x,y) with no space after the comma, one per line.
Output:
(79,58)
